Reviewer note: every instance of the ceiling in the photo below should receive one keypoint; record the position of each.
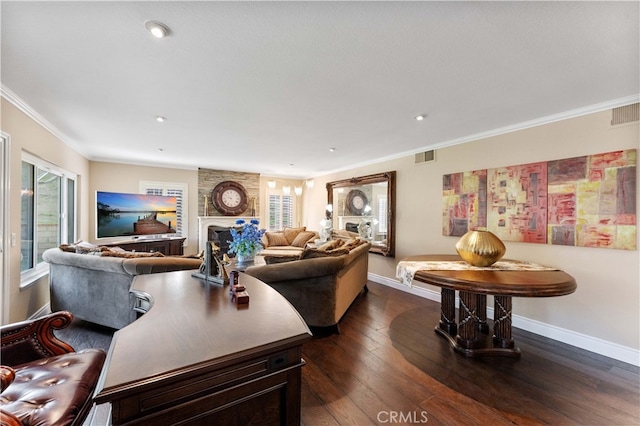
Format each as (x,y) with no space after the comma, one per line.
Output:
(270,87)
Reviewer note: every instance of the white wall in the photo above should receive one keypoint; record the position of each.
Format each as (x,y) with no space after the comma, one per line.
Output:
(606,305)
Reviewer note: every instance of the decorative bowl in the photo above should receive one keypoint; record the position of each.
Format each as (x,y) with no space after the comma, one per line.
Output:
(480,248)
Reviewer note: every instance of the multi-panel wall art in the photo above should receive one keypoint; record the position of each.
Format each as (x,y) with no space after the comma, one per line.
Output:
(587,201)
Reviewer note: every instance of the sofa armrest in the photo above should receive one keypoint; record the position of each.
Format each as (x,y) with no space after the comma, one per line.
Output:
(297,269)
(30,340)
(9,419)
(361,250)
(7,375)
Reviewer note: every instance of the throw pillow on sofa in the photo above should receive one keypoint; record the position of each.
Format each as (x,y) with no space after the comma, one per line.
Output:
(353,243)
(331,245)
(291,233)
(276,239)
(82,247)
(312,253)
(302,238)
(270,259)
(130,254)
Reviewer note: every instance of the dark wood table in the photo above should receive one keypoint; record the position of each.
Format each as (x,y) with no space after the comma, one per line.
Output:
(198,358)
(469,335)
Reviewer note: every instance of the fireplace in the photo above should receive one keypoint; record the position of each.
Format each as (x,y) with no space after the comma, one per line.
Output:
(217,223)
(220,235)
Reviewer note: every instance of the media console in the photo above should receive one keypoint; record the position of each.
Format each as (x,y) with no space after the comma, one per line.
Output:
(170,246)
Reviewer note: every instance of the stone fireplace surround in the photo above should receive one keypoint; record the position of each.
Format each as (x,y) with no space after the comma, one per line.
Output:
(204,222)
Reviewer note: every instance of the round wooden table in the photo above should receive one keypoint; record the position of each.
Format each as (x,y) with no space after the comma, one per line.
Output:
(468,335)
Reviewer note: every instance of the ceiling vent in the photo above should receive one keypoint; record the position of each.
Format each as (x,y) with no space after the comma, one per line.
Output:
(425,157)
(625,114)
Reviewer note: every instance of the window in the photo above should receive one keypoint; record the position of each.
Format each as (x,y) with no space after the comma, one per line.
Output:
(280,211)
(382,215)
(48,213)
(172,189)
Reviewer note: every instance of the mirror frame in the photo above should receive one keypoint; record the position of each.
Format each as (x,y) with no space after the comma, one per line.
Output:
(390,179)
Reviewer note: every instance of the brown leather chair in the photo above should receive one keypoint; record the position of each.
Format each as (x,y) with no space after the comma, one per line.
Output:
(44,381)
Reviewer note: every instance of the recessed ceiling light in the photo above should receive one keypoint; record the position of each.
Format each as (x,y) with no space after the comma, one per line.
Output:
(332,149)
(160,149)
(156,28)
(420,117)
(161,119)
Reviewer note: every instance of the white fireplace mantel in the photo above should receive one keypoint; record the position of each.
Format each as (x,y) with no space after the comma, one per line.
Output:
(204,222)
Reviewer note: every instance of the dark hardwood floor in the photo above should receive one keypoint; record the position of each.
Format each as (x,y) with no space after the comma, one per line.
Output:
(388,366)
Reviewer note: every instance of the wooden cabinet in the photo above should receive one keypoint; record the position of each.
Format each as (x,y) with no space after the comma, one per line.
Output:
(166,246)
(197,358)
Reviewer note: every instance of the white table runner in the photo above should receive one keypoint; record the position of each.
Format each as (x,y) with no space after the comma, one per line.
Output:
(405,270)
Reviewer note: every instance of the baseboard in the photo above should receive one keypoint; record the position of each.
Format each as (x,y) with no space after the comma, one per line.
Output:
(582,341)
(46,309)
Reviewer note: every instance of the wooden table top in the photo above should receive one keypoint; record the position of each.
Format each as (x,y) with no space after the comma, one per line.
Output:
(502,283)
(194,325)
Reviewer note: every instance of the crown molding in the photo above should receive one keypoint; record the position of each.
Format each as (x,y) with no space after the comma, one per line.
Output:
(574,113)
(578,112)
(19,103)
(15,100)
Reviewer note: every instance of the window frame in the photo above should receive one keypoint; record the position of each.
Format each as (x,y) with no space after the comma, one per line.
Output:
(281,195)
(40,269)
(145,185)
(383,208)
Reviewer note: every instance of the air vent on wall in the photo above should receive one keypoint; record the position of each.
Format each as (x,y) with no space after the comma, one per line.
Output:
(425,157)
(625,114)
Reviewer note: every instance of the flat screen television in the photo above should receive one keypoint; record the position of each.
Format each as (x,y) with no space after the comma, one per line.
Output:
(131,215)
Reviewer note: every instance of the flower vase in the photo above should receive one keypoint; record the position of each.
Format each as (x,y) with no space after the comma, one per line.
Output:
(244,259)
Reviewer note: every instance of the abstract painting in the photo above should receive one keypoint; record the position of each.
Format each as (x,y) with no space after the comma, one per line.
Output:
(517,204)
(587,201)
(464,198)
(592,201)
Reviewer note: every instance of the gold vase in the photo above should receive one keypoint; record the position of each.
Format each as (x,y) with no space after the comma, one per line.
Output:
(480,248)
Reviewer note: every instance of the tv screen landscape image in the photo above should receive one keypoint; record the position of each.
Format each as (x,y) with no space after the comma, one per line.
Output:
(127,215)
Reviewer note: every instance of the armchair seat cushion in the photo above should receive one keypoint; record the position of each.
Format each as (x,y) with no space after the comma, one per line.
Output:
(55,390)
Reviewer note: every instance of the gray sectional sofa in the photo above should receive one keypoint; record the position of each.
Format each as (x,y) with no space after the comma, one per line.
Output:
(95,288)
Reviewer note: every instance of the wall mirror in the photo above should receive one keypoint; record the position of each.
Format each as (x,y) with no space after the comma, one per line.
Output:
(366,206)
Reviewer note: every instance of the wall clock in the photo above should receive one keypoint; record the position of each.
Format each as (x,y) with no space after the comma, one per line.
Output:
(229,198)
(357,201)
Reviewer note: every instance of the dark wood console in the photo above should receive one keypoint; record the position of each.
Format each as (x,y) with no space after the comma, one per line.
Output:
(167,246)
(198,358)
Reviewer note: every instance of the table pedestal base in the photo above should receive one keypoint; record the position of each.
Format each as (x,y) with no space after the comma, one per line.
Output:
(469,336)
(486,347)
